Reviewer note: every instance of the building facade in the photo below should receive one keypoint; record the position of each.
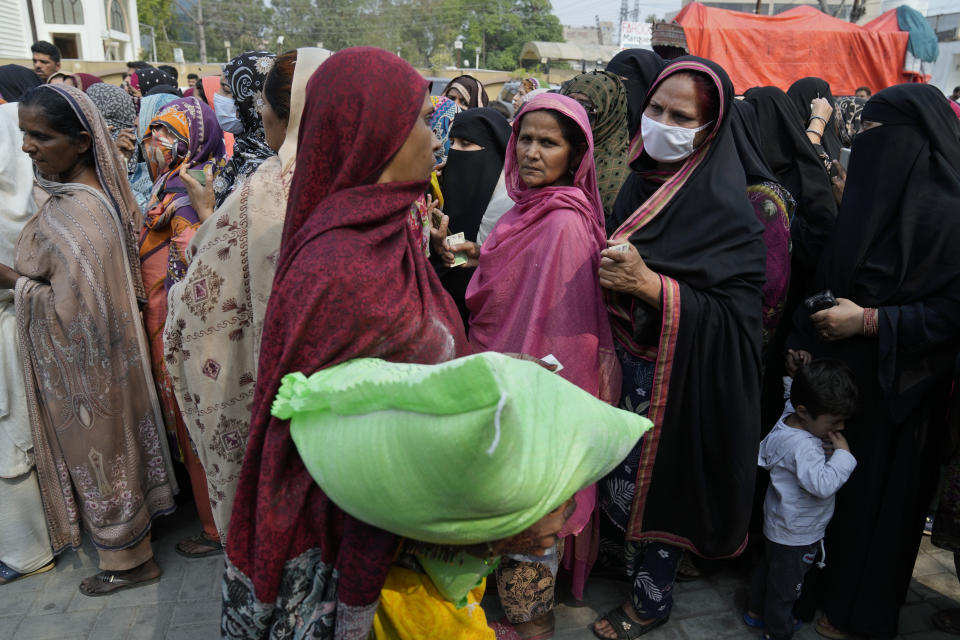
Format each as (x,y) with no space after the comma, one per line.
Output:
(94,30)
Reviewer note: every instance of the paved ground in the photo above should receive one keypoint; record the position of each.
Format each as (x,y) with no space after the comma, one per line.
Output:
(185,604)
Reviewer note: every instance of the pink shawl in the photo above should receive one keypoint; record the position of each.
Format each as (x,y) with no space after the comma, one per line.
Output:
(536,290)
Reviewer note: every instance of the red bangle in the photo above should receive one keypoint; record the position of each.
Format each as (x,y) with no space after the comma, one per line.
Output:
(870,327)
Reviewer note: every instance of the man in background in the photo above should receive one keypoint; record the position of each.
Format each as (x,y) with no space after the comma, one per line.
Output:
(46,59)
(863,92)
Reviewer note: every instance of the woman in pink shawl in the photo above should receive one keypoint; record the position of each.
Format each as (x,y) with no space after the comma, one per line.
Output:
(535,292)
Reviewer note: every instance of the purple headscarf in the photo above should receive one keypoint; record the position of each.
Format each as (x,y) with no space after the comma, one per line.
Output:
(171,218)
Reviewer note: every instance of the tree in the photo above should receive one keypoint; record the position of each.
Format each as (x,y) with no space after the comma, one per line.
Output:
(498,29)
(245,24)
(158,14)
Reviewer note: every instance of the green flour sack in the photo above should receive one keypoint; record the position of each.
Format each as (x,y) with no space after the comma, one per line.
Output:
(468,451)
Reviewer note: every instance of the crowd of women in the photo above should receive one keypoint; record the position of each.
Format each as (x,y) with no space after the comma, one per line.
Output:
(650,231)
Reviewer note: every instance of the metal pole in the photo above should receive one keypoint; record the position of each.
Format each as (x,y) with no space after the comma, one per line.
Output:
(153,39)
(200,34)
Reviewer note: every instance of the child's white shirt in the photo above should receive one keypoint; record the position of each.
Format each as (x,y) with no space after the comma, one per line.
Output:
(803,483)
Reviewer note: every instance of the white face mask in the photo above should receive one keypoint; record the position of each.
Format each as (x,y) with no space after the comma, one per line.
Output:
(665,143)
(226,110)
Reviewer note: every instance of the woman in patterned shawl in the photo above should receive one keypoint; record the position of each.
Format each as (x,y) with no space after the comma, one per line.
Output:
(184,133)
(141,182)
(117,108)
(101,458)
(602,95)
(216,312)
(243,78)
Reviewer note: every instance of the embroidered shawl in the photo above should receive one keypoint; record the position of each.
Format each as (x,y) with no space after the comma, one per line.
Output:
(215,318)
(101,459)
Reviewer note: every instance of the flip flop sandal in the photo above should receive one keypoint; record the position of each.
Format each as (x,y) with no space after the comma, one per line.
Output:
(8,575)
(755,622)
(214,548)
(120,584)
(947,621)
(626,627)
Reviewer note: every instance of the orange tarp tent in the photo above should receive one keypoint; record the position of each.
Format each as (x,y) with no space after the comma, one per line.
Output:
(758,50)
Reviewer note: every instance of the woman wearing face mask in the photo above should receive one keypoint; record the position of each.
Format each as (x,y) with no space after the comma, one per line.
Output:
(185,132)
(234,256)
(684,272)
(141,181)
(238,105)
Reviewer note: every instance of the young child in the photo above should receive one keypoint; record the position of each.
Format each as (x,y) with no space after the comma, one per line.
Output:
(804,477)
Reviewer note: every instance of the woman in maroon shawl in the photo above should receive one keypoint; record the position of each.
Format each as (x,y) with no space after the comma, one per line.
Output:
(351,282)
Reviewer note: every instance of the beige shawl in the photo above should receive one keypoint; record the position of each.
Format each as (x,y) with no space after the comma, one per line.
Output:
(101,455)
(216,313)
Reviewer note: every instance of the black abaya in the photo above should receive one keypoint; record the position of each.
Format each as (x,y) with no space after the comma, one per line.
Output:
(893,248)
(467,183)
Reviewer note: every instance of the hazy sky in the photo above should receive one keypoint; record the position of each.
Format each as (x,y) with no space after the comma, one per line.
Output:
(582,12)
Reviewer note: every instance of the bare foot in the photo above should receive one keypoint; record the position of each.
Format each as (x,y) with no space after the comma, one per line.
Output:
(540,628)
(107,582)
(604,629)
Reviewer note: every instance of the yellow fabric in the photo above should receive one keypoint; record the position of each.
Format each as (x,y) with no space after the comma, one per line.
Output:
(435,187)
(412,608)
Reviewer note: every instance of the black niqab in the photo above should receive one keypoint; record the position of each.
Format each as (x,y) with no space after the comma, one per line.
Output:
(470,177)
(894,248)
(468,182)
(746,137)
(802,93)
(791,156)
(896,237)
(639,68)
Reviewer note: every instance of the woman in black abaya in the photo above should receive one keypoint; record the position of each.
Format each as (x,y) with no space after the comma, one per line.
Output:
(803,92)
(684,296)
(474,165)
(638,68)
(892,262)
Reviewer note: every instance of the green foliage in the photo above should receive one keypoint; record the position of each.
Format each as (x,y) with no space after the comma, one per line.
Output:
(244,23)
(421,31)
(501,27)
(158,14)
